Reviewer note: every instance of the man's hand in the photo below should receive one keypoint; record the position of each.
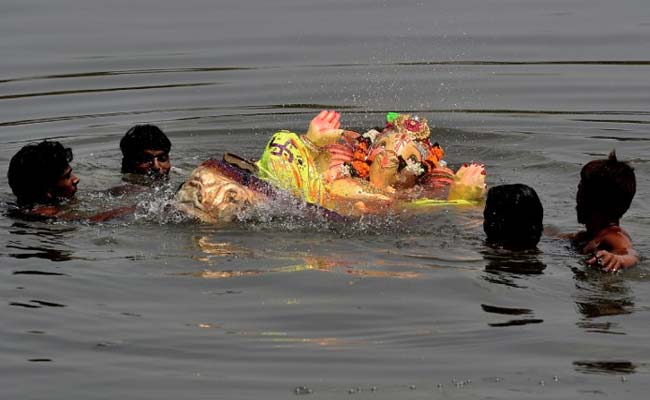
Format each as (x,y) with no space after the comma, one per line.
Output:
(610,262)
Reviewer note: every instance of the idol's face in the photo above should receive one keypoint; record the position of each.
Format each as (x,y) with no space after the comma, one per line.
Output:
(386,154)
(209,193)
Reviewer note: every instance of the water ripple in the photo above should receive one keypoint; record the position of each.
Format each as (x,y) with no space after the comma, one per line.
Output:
(104,90)
(294,109)
(126,72)
(150,71)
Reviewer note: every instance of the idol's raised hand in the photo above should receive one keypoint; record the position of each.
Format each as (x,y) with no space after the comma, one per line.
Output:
(324,128)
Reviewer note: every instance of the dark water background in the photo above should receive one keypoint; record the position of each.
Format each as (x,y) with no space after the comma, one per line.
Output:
(150,307)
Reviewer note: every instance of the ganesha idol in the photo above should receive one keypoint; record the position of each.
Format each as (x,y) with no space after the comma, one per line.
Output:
(337,170)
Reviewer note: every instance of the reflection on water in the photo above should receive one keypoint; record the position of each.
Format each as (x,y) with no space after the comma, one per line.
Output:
(511,268)
(505,310)
(37,304)
(601,295)
(44,231)
(212,249)
(516,322)
(605,367)
(40,252)
(214,252)
(510,311)
(45,241)
(29,272)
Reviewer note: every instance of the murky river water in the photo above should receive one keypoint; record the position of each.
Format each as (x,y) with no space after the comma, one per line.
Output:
(151,307)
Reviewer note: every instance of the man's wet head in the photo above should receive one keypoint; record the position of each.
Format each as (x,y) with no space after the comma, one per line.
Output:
(41,174)
(145,151)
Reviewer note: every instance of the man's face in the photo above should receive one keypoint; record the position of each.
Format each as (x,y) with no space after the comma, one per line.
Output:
(66,186)
(155,163)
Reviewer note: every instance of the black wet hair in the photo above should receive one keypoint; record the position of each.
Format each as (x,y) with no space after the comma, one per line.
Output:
(138,139)
(513,216)
(35,169)
(608,186)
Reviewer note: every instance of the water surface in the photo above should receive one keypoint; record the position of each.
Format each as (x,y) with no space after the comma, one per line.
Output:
(150,306)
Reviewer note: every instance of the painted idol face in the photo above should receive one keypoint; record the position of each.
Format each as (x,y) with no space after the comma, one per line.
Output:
(211,196)
(390,153)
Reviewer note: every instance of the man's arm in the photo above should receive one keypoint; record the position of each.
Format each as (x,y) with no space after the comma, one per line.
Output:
(57,213)
(614,252)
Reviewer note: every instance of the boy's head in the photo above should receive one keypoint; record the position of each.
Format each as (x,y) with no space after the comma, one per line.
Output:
(41,173)
(145,151)
(513,216)
(606,190)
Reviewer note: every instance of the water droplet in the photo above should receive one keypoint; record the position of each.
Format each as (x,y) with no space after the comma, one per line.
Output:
(555,378)
(497,379)
(439,386)
(412,387)
(302,390)
(373,389)
(623,379)
(542,383)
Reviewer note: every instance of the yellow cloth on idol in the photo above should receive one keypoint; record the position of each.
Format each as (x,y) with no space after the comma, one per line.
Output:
(288,164)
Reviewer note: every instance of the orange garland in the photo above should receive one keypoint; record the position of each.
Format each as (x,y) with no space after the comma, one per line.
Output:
(360,164)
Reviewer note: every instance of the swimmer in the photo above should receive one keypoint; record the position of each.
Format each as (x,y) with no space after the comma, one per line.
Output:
(41,178)
(513,217)
(605,192)
(145,151)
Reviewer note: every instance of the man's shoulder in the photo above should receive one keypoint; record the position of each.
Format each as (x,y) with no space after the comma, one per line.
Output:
(612,231)
(613,237)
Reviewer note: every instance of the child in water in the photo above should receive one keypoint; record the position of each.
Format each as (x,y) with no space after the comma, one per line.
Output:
(513,217)
(605,192)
